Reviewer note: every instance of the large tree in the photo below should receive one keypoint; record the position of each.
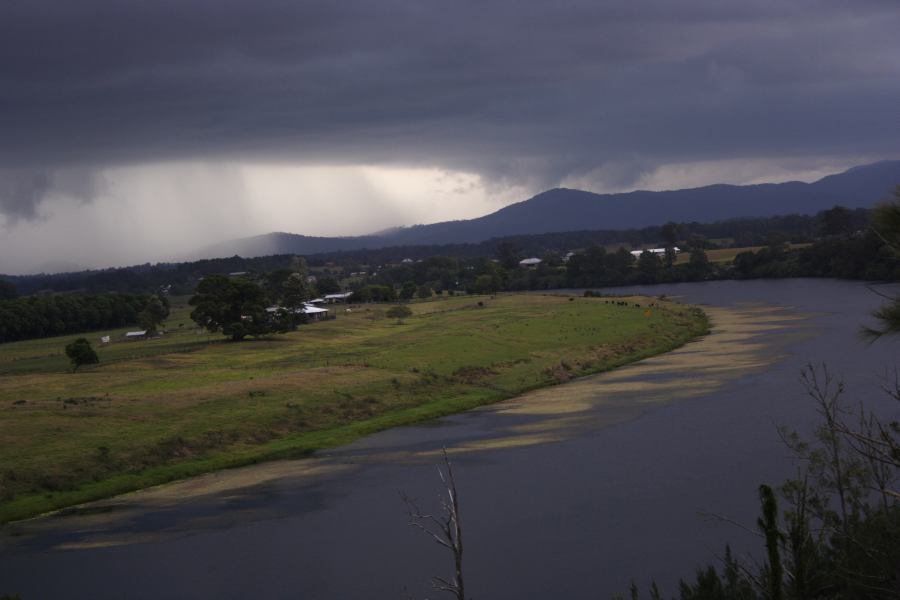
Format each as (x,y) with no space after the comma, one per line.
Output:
(236,307)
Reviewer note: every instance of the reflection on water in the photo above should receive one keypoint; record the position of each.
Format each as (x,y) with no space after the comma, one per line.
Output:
(580,487)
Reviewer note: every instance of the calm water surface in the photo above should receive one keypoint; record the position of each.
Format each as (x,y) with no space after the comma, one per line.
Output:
(571,503)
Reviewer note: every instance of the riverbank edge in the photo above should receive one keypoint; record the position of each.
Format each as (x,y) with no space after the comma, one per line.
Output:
(306,444)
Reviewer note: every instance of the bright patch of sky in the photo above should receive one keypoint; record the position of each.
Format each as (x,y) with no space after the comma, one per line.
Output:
(167,211)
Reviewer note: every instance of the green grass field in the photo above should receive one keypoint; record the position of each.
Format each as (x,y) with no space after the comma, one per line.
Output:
(190,402)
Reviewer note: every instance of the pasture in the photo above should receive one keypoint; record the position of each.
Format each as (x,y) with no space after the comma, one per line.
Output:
(191,402)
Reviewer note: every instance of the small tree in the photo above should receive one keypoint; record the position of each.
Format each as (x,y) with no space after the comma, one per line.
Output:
(154,313)
(408,290)
(80,353)
(295,291)
(399,312)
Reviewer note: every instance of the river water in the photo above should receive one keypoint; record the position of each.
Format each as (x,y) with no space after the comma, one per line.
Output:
(567,492)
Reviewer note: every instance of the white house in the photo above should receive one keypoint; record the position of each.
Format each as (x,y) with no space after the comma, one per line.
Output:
(637,253)
(334,298)
(530,262)
(314,312)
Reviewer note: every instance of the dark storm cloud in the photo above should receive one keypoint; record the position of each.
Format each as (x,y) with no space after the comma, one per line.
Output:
(23,190)
(510,89)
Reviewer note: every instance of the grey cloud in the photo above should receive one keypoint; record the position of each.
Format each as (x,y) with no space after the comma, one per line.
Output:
(22,191)
(510,89)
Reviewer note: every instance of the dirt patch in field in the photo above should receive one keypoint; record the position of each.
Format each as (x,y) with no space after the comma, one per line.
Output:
(472,375)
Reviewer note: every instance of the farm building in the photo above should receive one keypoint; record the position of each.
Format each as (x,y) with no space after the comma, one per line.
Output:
(637,253)
(336,298)
(314,313)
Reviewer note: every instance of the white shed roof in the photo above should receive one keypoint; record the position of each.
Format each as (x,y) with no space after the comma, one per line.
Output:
(313,310)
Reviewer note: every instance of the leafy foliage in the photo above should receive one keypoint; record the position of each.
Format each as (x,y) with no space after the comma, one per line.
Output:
(81,353)
(837,536)
(234,306)
(155,312)
(399,312)
(45,316)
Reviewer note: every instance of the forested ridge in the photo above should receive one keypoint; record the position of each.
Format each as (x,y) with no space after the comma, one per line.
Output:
(182,278)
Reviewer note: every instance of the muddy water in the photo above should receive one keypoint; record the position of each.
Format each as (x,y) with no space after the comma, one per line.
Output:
(568,492)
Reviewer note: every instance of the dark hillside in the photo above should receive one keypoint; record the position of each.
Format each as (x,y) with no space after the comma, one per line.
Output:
(562,209)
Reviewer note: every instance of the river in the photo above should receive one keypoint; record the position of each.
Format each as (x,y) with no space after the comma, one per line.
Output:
(567,492)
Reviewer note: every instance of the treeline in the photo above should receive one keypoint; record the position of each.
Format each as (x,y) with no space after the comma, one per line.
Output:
(861,256)
(733,233)
(858,255)
(172,278)
(593,267)
(45,316)
(182,278)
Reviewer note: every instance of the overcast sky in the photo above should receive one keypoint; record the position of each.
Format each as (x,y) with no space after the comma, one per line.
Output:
(139,131)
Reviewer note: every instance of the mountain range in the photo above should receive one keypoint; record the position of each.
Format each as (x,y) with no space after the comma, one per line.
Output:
(564,209)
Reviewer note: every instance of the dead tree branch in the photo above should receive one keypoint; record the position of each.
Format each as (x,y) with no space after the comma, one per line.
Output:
(444,529)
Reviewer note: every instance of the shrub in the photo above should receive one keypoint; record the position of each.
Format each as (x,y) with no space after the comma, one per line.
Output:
(80,353)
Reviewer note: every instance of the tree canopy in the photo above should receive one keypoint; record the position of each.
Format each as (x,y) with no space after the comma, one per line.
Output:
(44,316)
(81,353)
(155,312)
(236,307)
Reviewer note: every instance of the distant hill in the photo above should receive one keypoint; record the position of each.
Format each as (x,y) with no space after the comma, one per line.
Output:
(573,210)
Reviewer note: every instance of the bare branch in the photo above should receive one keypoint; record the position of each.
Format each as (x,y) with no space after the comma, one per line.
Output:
(445,530)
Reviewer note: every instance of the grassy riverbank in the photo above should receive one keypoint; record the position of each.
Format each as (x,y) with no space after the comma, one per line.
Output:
(157,410)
